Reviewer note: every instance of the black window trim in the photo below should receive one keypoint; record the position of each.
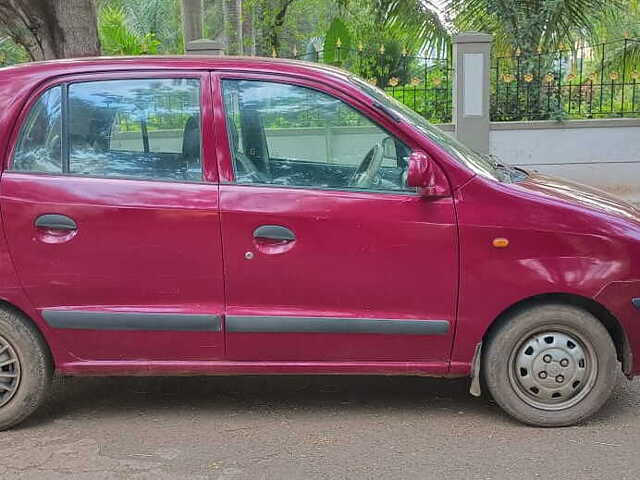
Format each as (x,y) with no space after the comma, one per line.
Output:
(65,143)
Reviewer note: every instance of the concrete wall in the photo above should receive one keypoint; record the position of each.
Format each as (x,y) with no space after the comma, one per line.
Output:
(343,145)
(602,153)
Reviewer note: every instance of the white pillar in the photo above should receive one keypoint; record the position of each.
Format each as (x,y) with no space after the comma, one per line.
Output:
(471,96)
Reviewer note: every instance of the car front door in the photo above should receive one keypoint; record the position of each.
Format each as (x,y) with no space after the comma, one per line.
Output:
(328,256)
(110,208)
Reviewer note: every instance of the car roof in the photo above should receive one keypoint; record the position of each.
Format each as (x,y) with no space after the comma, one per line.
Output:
(52,68)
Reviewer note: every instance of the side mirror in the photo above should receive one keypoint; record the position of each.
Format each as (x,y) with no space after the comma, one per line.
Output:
(424,174)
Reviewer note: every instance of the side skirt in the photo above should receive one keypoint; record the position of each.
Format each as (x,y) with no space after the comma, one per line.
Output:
(140,367)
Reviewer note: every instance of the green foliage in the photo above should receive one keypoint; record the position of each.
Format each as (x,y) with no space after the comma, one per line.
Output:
(337,40)
(433,103)
(418,21)
(529,24)
(11,53)
(117,38)
(144,18)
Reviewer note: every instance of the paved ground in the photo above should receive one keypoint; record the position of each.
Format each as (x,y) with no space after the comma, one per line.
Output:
(307,428)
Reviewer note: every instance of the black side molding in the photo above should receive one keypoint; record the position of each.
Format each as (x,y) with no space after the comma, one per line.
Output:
(90,320)
(384,326)
(636,303)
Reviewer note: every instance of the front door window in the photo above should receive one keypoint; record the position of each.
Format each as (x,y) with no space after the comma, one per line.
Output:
(295,136)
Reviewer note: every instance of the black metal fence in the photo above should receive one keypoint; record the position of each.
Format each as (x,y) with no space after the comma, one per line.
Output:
(581,81)
(424,83)
(576,81)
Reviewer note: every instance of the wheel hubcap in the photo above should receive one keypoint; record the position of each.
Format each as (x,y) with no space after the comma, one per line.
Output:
(9,371)
(553,370)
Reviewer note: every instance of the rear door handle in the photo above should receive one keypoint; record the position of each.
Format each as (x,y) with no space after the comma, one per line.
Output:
(54,221)
(274,232)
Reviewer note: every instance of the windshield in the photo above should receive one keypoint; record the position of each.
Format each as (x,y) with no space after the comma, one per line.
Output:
(482,165)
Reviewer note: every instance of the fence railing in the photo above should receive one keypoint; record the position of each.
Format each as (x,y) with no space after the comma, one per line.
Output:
(583,81)
(420,82)
(577,81)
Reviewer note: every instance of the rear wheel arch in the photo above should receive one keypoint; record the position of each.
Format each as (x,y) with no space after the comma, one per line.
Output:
(8,306)
(608,320)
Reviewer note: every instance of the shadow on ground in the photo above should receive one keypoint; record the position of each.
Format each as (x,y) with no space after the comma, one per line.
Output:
(112,396)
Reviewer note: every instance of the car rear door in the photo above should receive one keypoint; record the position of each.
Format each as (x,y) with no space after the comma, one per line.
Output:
(317,269)
(110,208)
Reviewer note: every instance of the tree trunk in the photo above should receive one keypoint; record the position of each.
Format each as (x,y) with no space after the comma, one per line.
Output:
(278,21)
(50,29)
(258,29)
(233,26)
(248,32)
(191,20)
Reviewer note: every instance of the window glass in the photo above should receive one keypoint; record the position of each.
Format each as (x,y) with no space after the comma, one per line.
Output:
(39,147)
(147,128)
(289,135)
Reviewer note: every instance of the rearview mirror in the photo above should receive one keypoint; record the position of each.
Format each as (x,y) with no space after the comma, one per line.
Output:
(425,175)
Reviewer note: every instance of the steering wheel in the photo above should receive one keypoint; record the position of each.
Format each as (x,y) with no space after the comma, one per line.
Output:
(366,172)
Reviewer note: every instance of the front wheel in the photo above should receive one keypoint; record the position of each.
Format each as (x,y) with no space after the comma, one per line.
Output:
(551,365)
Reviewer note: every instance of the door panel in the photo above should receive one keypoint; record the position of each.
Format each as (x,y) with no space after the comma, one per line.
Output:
(146,247)
(356,256)
(111,223)
(357,267)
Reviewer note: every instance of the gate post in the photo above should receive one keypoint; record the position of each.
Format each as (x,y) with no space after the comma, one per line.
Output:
(204,47)
(471,96)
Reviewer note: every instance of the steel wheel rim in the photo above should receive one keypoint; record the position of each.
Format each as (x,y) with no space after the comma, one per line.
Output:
(10,373)
(553,368)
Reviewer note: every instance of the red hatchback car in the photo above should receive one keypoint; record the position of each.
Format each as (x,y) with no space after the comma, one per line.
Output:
(248,216)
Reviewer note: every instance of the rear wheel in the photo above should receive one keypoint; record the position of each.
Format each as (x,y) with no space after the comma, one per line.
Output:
(551,365)
(25,369)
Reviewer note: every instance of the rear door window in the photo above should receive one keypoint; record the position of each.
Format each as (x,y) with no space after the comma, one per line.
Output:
(134,128)
(39,147)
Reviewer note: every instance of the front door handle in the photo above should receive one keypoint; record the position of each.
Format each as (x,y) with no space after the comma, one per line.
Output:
(54,221)
(275,233)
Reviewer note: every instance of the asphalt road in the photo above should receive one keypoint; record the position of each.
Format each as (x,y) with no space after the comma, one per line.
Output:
(233,428)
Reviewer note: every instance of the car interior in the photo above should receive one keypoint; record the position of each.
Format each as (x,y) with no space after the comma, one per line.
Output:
(382,168)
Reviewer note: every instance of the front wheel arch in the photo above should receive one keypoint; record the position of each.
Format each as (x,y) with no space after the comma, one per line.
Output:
(608,320)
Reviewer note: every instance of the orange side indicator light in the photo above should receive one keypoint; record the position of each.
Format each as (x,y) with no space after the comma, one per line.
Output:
(500,242)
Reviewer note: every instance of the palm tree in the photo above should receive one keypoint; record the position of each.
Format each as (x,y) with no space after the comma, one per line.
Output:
(531,24)
(233,26)
(420,17)
(248,30)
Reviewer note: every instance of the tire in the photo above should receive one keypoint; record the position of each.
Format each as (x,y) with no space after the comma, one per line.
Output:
(550,365)
(26,372)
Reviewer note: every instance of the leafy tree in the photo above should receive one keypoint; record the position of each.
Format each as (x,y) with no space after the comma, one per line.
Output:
(118,38)
(160,18)
(531,24)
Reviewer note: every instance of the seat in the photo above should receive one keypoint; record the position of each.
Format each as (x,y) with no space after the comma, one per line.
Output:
(191,149)
(245,169)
